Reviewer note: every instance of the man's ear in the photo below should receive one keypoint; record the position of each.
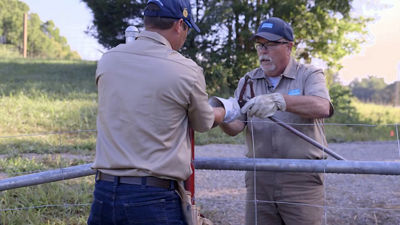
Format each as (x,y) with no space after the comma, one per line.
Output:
(178,25)
(290,46)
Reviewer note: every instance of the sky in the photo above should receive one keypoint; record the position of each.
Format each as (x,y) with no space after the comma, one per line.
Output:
(72,17)
(379,56)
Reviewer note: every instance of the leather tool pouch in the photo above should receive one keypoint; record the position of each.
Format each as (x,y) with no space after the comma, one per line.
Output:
(190,211)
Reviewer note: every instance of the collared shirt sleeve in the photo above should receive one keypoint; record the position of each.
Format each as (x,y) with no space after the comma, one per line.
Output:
(201,114)
(315,85)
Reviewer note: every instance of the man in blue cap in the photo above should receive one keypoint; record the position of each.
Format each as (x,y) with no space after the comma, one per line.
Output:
(294,93)
(149,96)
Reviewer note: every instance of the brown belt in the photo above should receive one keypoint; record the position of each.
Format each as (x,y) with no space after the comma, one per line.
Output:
(146,181)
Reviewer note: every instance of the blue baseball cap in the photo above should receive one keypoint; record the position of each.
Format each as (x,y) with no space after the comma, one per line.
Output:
(274,29)
(176,9)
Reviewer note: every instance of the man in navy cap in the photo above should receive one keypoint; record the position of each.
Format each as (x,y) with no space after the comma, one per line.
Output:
(294,93)
(149,96)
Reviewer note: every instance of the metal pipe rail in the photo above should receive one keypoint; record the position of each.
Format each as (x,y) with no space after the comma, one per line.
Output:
(243,164)
(306,138)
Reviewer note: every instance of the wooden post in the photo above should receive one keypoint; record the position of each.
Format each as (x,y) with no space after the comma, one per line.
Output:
(397,88)
(25,35)
(397,93)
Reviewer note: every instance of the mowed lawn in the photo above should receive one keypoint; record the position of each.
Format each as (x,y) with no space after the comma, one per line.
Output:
(48,121)
(48,109)
(57,99)
(50,106)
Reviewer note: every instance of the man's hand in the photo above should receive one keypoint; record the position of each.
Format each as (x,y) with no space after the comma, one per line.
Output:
(231,106)
(264,106)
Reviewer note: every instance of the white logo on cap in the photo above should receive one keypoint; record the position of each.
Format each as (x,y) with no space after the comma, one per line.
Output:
(267,25)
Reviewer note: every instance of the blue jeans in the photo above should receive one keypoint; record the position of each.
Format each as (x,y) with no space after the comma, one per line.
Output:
(119,204)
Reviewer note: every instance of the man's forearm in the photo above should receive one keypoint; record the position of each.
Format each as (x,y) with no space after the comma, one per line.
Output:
(308,106)
(219,114)
(233,128)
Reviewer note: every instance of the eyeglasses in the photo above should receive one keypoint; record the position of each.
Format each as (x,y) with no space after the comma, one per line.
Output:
(268,45)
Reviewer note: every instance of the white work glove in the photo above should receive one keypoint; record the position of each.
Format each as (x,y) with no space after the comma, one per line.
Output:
(264,106)
(231,106)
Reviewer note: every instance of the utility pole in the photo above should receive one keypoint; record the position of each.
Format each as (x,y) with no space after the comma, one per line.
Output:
(397,88)
(25,48)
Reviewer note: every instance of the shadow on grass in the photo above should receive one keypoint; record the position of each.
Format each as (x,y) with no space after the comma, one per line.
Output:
(54,79)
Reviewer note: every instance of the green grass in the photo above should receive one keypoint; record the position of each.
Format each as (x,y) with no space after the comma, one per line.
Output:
(47,96)
(377,123)
(43,97)
(379,114)
(64,202)
(60,97)
(9,51)
(14,165)
(49,107)
(217,136)
(58,203)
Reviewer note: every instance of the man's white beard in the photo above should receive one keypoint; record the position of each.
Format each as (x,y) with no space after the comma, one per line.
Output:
(266,68)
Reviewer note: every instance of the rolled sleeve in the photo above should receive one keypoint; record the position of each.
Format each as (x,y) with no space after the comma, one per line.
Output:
(315,85)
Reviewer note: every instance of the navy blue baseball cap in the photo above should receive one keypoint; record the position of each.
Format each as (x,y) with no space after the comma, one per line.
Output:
(176,9)
(274,29)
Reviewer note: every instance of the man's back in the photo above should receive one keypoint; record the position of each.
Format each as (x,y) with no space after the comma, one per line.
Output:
(148,94)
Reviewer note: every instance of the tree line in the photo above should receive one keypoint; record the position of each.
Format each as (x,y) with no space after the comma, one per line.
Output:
(44,39)
(373,89)
(323,29)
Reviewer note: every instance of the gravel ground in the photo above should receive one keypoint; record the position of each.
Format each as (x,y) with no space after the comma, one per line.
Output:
(350,199)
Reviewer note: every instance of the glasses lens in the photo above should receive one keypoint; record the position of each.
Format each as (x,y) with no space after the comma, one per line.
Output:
(258,46)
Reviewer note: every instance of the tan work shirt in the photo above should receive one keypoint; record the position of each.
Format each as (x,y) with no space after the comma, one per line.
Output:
(272,140)
(149,95)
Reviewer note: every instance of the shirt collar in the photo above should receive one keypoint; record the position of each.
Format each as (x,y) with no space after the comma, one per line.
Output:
(291,68)
(155,37)
(259,74)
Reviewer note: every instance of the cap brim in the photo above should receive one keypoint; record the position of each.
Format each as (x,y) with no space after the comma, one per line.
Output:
(194,26)
(266,35)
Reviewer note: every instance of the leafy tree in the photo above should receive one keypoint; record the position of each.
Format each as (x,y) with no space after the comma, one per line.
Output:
(44,39)
(342,98)
(112,17)
(11,23)
(373,89)
(394,90)
(323,29)
(367,88)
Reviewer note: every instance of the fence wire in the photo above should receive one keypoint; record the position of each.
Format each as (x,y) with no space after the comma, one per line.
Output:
(349,199)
